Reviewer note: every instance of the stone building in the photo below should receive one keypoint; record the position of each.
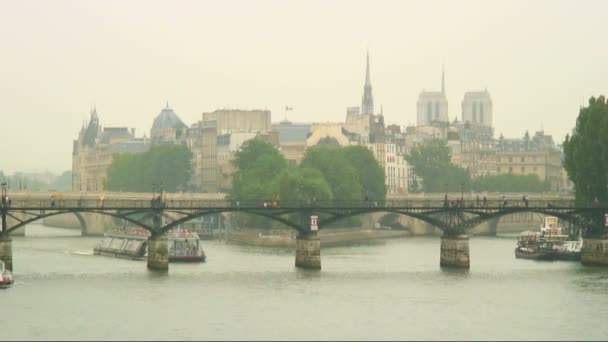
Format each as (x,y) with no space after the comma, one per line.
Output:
(168,128)
(292,140)
(231,128)
(209,170)
(537,155)
(476,150)
(477,108)
(330,134)
(234,120)
(93,151)
(432,106)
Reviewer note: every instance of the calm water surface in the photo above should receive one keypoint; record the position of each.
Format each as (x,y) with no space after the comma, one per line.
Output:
(391,290)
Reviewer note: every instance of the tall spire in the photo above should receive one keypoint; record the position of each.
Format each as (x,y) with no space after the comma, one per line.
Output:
(367,79)
(442,80)
(367,106)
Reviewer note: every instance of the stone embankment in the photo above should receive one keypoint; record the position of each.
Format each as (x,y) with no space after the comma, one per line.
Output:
(329,237)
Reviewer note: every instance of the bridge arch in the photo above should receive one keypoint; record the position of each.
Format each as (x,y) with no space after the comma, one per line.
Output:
(36,217)
(257,212)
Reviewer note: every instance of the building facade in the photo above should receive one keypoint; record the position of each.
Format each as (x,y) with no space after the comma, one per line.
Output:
(477,108)
(93,151)
(531,156)
(234,120)
(432,106)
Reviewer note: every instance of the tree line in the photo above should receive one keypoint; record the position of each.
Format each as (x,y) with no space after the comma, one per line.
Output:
(432,162)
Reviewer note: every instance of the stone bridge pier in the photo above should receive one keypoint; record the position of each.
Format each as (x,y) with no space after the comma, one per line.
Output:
(158,253)
(595,251)
(6,250)
(454,251)
(308,251)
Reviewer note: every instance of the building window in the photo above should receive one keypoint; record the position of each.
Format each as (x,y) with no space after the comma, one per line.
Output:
(523,169)
(510,169)
(522,159)
(474,112)
(510,159)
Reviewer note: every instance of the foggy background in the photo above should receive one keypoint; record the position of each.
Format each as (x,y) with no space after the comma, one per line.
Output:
(540,61)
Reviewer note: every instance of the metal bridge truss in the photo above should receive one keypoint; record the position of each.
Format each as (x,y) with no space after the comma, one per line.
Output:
(452,220)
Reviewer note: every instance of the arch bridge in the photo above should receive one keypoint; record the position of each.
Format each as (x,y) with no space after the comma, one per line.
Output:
(454,218)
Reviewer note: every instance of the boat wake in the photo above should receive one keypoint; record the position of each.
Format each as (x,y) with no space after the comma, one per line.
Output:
(87,253)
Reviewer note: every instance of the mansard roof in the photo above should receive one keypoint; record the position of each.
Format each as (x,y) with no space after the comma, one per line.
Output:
(167,119)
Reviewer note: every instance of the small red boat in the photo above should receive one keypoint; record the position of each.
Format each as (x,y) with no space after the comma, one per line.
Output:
(6,277)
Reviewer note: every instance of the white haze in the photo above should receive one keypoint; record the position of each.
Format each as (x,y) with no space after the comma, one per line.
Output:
(540,60)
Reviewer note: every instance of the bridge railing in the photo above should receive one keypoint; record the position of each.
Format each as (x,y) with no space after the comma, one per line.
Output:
(273,204)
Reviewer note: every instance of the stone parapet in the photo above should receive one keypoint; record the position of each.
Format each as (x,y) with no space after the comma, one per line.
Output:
(595,252)
(6,251)
(455,251)
(308,252)
(158,253)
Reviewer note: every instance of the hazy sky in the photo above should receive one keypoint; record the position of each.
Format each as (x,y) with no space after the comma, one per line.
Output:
(540,60)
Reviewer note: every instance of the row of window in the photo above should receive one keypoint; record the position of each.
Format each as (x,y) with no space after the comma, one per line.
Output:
(523,169)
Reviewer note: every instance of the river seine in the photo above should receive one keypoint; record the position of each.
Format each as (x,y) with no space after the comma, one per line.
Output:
(393,290)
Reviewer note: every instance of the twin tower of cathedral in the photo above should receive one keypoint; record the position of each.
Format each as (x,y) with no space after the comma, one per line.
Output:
(432,106)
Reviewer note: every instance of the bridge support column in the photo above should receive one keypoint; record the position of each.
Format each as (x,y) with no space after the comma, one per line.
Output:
(595,252)
(455,251)
(158,253)
(6,251)
(308,251)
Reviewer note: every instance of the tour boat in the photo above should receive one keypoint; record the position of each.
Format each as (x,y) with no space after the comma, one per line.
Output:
(184,246)
(132,243)
(548,244)
(6,277)
(531,246)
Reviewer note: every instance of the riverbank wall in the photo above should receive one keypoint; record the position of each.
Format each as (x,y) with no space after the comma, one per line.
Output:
(328,237)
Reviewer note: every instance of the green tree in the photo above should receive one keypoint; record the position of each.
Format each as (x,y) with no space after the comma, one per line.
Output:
(586,153)
(304,186)
(432,162)
(369,172)
(258,167)
(256,179)
(338,172)
(510,183)
(167,164)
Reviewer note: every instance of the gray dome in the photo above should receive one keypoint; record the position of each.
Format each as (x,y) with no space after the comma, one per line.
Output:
(167,119)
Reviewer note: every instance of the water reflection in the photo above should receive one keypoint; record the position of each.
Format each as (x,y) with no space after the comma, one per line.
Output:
(394,290)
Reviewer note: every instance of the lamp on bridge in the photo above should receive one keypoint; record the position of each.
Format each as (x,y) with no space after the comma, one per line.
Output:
(3,194)
(462,191)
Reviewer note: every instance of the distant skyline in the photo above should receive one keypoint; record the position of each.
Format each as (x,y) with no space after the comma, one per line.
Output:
(540,60)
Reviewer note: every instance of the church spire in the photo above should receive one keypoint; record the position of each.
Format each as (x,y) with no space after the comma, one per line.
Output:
(367,79)
(442,80)
(367,106)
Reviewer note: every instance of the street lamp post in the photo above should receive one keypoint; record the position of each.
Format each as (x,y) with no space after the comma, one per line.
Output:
(4,208)
(153,193)
(3,194)
(462,193)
